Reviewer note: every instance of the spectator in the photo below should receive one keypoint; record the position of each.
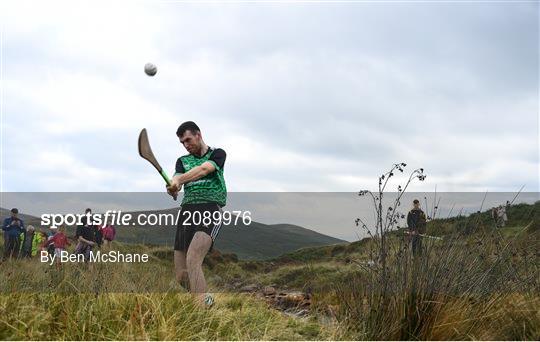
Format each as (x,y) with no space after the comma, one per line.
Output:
(109,233)
(39,239)
(59,241)
(44,238)
(416,220)
(85,235)
(502,218)
(98,233)
(27,239)
(49,244)
(494,214)
(13,226)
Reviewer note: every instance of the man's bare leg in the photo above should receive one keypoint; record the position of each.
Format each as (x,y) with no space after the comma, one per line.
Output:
(180,269)
(198,248)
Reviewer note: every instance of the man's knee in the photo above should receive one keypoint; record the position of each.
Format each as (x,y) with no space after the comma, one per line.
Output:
(197,250)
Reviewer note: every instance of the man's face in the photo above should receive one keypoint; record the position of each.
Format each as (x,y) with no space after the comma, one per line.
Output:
(14,215)
(416,205)
(191,141)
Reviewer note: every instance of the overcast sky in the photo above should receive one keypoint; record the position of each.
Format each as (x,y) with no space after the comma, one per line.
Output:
(301,96)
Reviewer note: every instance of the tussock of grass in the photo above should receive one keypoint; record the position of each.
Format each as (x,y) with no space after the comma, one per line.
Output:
(498,317)
(482,286)
(164,316)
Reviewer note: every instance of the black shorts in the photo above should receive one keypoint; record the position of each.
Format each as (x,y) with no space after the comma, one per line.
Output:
(194,218)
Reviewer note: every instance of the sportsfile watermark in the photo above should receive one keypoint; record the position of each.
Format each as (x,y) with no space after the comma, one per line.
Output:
(120,218)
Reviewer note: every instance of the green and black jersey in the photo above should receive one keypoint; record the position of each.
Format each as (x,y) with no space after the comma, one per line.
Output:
(209,189)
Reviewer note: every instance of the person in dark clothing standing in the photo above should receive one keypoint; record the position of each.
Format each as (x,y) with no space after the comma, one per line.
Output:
(98,234)
(416,220)
(85,235)
(13,227)
(27,242)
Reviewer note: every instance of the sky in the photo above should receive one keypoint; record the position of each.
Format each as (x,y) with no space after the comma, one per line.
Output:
(302,96)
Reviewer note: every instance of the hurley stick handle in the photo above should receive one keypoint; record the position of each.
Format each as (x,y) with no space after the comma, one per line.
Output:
(166,179)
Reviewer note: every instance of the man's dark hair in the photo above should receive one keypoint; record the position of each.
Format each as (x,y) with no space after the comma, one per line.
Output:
(87,210)
(187,126)
(15,211)
(416,201)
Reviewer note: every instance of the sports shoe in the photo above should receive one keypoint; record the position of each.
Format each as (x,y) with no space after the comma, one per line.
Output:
(209,300)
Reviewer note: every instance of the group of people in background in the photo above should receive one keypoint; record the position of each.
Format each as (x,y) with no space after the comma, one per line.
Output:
(26,242)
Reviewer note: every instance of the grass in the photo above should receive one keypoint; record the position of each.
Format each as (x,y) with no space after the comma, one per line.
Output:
(478,283)
(479,286)
(133,302)
(162,316)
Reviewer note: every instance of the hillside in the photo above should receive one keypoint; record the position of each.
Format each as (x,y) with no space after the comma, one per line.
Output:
(28,219)
(480,283)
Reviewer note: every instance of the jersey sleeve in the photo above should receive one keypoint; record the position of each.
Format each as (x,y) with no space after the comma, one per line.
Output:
(179,169)
(218,158)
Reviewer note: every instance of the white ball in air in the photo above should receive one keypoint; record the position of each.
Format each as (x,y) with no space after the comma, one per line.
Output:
(150,69)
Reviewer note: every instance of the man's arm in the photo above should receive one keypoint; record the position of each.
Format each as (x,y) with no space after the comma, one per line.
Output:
(217,160)
(78,236)
(179,170)
(87,241)
(194,174)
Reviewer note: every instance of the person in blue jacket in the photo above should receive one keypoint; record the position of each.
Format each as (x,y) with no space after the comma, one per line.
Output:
(13,227)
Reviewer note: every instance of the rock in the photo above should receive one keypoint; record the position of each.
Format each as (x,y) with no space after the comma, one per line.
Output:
(292,299)
(296,313)
(249,288)
(269,291)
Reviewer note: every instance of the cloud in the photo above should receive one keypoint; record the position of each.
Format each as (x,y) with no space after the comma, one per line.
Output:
(303,97)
